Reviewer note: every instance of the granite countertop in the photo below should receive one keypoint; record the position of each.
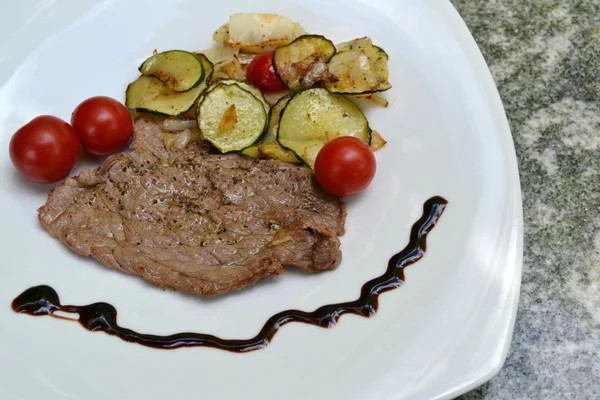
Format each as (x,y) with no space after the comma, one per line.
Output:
(545,58)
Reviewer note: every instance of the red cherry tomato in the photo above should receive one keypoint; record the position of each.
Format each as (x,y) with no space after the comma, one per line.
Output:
(103,125)
(345,166)
(261,73)
(45,149)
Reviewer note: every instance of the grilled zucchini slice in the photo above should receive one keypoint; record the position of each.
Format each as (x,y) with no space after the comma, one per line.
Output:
(231,118)
(252,89)
(148,94)
(268,146)
(251,151)
(271,134)
(178,69)
(360,43)
(315,116)
(360,70)
(302,63)
(255,33)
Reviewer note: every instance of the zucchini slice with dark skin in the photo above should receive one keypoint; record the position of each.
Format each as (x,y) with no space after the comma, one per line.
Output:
(252,89)
(231,118)
(315,116)
(359,43)
(268,146)
(360,70)
(148,94)
(178,69)
(303,62)
(251,151)
(271,134)
(276,152)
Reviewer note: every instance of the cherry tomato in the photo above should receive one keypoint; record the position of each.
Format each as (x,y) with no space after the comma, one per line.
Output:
(103,125)
(261,73)
(45,150)
(345,166)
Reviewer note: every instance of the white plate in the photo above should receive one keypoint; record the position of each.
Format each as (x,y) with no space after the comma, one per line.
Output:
(445,331)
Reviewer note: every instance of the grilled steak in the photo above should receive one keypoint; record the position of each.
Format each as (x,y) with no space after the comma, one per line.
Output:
(195,221)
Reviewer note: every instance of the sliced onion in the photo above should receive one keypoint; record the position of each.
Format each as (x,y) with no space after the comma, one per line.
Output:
(375,98)
(176,125)
(226,63)
(245,58)
(281,237)
(218,55)
(180,140)
(255,33)
(221,35)
(232,68)
(218,76)
(273,97)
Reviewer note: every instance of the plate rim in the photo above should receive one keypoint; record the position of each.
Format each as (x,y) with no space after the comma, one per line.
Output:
(475,58)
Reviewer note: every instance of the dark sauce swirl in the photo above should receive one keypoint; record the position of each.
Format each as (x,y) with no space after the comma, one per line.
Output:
(43,300)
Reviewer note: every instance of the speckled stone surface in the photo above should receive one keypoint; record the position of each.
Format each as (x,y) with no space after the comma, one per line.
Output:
(545,58)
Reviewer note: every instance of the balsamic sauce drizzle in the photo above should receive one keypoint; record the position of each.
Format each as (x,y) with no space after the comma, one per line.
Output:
(43,300)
